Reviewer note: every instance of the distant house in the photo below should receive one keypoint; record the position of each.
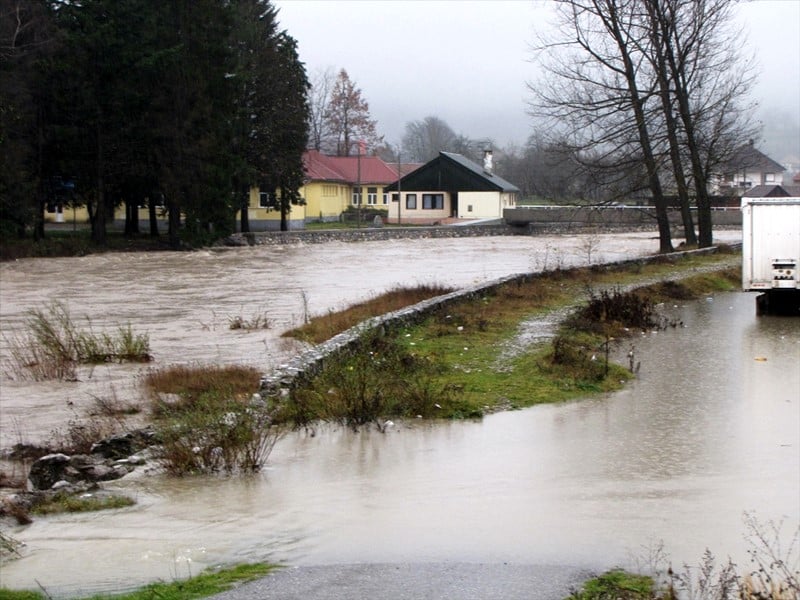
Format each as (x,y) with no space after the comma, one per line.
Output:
(746,169)
(332,184)
(451,186)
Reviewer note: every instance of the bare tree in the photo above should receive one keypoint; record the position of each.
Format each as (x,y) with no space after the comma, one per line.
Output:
(423,140)
(654,82)
(659,38)
(347,116)
(708,79)
(319,97)
(599,86)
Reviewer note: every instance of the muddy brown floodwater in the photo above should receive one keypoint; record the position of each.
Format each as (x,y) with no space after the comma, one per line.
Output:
(183,301)
(703,435)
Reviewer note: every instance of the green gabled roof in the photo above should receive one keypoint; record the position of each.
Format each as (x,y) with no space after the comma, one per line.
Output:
(451,172)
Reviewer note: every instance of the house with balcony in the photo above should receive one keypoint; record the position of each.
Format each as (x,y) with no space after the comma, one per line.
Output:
(747,168)
(451,186)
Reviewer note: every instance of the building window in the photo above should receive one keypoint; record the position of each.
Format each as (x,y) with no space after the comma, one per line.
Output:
(385,197)
(411,201)
(469,207)
(770,177)
(357,191)
(372,195)
(266,200)
(395,197)
(432,201)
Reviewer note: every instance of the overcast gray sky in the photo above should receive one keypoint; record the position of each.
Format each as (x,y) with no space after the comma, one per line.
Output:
(468,62)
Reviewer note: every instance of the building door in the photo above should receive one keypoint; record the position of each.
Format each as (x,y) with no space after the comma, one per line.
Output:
(454,204)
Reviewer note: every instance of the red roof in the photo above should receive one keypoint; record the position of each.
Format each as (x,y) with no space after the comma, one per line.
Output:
(349,169)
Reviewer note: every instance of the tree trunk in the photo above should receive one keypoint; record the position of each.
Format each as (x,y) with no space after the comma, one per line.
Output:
(637,104)
(704,224)
(99,222)
(131,217)
(245,216)
(659,40)
(174,223)
(151,213)
(286,207)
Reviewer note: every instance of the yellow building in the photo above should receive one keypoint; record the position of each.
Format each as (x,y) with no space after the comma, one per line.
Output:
(332,185)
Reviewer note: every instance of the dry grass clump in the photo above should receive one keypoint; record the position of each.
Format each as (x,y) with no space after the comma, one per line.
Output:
(257,320)
(322,328)
(53,345)
(209,419)
(187,384)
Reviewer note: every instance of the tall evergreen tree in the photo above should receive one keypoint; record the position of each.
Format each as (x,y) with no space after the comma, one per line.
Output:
(192,112)
(272,100)
(27,39)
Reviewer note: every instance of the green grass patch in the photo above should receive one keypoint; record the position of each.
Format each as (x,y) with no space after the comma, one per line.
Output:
(6,594)
(208,583)
(66,242)
(67,503)
(617,585)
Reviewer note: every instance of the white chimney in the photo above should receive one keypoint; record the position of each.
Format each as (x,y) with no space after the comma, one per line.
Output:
(487,161)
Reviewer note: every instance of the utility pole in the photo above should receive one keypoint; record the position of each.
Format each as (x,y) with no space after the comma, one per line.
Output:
(358,186)
(399,177)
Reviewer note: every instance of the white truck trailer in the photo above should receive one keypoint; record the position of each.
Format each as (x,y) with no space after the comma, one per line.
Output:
(771,253)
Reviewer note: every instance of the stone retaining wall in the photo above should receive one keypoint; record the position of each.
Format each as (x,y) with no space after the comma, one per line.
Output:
(367,234)
(280,382)
(518,221)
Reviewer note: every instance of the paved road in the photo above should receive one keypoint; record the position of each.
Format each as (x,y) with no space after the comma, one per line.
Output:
(456,581)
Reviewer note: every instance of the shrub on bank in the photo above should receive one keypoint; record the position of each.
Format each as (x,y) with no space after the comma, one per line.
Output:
(209,420)
(53,345)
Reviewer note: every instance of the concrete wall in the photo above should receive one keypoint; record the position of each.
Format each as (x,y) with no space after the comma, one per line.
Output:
(537,218)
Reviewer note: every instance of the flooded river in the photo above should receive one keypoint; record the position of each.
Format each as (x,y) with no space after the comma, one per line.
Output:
(709,430)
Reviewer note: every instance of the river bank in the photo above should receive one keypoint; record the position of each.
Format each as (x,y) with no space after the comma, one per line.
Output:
(323,498)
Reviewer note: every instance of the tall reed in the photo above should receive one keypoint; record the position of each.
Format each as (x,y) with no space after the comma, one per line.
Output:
(52,345)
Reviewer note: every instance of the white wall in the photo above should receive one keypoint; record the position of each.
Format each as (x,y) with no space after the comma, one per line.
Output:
(485,205)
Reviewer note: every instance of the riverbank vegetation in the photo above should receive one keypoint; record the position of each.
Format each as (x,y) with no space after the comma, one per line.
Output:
(53,345)
(77,242)
(66,503)
(208,583)
(773,573)
(208,419)
(472,356)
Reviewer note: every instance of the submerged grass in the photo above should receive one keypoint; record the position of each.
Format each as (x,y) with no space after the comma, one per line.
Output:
(66,503)
(53,345)
(208,583)
(452,366)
